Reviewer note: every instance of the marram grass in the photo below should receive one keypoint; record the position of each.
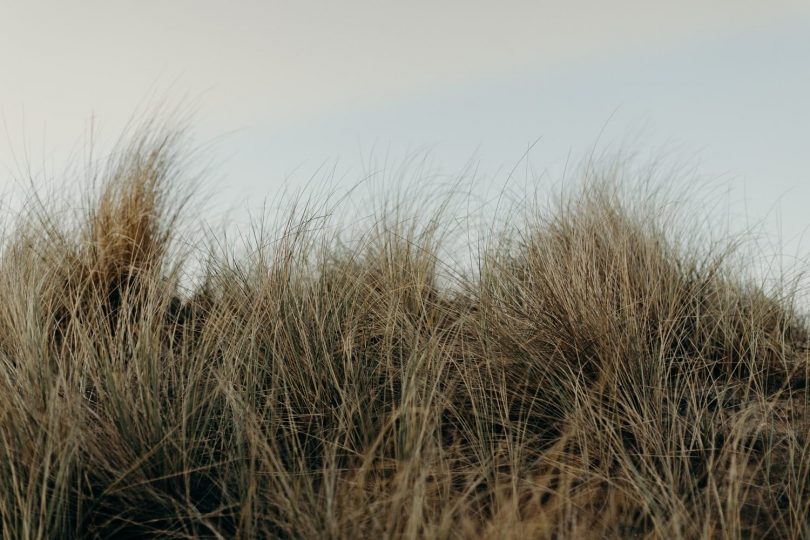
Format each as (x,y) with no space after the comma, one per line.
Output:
(597,376)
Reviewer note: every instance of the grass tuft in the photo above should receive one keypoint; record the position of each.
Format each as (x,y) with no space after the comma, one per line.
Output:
(601,374)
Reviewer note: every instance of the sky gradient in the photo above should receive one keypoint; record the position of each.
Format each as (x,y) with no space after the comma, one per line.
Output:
(280,88)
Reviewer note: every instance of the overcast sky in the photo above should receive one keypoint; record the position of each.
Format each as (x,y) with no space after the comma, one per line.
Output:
(282,86)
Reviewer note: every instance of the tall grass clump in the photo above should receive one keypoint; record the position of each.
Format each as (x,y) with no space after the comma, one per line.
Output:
(601,373)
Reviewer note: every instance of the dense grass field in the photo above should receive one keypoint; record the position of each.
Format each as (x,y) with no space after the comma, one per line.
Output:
(598,372)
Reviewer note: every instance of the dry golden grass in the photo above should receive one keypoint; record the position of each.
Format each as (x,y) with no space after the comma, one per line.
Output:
(598,376)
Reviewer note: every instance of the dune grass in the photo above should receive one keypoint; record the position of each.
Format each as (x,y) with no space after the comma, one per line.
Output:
(600,374)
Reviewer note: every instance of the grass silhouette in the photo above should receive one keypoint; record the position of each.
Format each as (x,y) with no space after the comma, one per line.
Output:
(599,375)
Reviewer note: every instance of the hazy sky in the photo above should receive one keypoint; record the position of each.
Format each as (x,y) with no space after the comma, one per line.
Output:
(283,86)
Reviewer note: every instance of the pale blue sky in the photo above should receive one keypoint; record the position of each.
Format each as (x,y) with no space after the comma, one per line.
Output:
(282,87)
